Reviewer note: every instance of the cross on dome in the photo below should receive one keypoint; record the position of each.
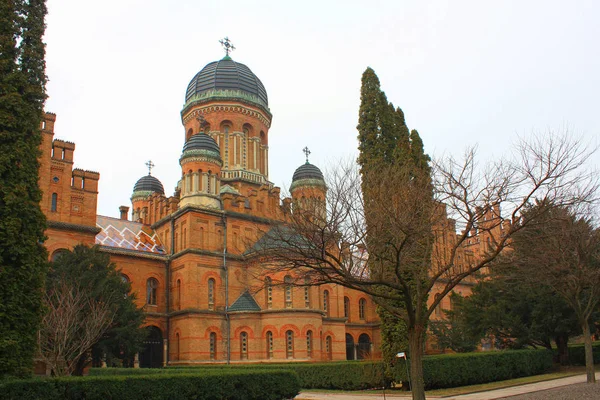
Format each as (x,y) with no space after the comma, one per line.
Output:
(306,151)
(150,165)
(227,45)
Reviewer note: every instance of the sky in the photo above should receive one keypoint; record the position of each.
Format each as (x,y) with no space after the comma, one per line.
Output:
(464,72)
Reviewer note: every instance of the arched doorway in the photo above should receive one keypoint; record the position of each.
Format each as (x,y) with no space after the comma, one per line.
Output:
(152,356)
(349,347)
(364,346)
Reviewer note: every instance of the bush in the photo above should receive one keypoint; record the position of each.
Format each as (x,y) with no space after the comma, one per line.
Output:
(209,384)
(577,354)
(452,370)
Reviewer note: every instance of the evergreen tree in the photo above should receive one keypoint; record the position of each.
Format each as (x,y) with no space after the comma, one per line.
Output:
(387,146)
(22,224)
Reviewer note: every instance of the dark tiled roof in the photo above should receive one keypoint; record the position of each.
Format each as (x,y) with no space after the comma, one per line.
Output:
(149,183)
(202,141)
(245,303)
(226,74)
(307,171)
(278,237)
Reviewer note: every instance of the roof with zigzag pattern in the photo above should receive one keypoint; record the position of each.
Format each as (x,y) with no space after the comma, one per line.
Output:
(130,235)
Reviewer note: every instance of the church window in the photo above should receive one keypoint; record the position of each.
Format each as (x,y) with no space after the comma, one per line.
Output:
(346,307)
(309,344)
(54,203)
(243,346)
(288,291)
(58,254)
(307,293)
(269,292)
(176,347)
(289,344)
(151,291)
(362,305)
(326,301)
(211,294)
(328,350)
(213,346)
(179,294)
(269,344)
(184,237)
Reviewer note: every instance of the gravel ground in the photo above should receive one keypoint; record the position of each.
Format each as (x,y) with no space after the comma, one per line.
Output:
(580,391)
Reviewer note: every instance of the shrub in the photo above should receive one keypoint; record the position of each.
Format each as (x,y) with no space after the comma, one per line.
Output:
(452,370)
(577,354)
(210,384)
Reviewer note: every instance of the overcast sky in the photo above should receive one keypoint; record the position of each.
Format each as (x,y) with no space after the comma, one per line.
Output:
(464,72)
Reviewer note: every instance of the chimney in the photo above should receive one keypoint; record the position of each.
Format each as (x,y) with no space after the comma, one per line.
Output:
(124,210)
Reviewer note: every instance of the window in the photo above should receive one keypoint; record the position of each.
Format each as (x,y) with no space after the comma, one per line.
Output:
(269,344)
(289,344)
(54,204)
(362,305)
(179,294)
(309,344)
(288,291)
(347,307)
(243,346)
(307,293)
(151,291)
(211,294)
(326,302)
(328,350)
(269,292)
(176,347)
(213,346)
(438,308)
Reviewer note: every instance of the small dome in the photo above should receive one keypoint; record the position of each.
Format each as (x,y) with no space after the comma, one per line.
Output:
(148,183)
(308,171)
(202,141)
(227,75)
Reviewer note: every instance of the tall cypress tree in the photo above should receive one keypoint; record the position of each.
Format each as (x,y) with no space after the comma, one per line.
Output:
(387,146)
(22,254)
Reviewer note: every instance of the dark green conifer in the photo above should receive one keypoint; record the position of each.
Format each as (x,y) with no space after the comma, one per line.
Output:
(22,254)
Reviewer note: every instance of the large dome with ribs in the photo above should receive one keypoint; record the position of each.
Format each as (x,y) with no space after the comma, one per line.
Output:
(149,183)
(227,74)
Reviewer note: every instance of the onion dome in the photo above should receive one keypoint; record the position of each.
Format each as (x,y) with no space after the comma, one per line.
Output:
(201,147)
(226,79)
(147,185)
(307,175)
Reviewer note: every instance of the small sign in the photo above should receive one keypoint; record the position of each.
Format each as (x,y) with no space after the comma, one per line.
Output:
(401,355)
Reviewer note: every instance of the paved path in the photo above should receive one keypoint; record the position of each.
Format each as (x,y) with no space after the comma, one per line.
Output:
(578,391)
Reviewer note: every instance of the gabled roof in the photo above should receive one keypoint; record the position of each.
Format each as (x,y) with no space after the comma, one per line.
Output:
(277,237)
(123,234)
(245,303)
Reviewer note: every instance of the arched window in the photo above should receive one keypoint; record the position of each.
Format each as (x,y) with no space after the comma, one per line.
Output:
(364,346)
(179,294)
(151,291)
(54,203)
(362,305)
(288,291)
(309,344)
(326,301)
(328,349)
(269,344)
(243,346)
(213,346)
(306,293)
(346,307)
(289,344)
(269,292)
(58,254)
(176,355)
(211,294)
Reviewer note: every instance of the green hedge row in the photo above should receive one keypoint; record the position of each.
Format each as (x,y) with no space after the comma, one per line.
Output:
(217,385)
(453,370)
(577,354)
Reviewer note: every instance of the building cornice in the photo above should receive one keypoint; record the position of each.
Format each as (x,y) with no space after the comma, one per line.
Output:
(197,108)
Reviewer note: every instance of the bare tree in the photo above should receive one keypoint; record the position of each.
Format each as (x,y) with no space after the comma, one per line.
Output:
(562,251)
(73,323)
(418,237)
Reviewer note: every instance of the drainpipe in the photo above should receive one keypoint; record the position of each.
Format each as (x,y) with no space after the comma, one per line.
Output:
(227,320)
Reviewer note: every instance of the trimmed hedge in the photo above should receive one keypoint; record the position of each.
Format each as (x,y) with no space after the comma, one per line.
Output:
(452,370)
(577,354)
(217,385)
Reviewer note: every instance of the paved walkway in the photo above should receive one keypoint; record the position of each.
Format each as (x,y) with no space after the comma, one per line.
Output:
(489,395)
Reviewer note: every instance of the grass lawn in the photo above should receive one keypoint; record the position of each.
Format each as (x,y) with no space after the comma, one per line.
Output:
(561,372)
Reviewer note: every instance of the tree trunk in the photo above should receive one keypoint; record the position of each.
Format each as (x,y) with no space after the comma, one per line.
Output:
(415,346)
(563,349)
(589,353)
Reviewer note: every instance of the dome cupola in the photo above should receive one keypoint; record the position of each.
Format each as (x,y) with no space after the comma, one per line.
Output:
(147,185)
(307,175)
(201,147)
